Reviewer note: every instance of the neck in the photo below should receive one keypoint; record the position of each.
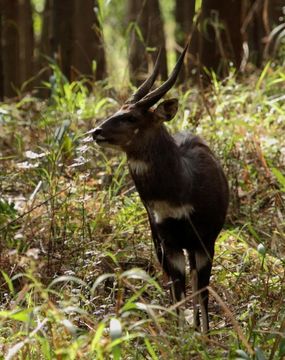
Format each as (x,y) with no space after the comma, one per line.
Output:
(151,146)
(155,165)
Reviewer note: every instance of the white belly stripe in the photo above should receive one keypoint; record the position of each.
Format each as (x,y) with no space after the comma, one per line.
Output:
(163,210)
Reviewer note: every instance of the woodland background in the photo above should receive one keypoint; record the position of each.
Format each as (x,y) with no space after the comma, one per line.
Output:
(78,274)
(81,37)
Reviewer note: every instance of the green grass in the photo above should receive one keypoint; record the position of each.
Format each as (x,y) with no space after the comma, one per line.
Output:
(79,276)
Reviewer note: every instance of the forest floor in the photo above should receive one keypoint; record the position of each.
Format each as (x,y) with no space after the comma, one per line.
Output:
(79,278)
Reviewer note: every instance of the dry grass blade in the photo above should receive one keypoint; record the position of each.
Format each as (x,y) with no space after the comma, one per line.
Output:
(231,317)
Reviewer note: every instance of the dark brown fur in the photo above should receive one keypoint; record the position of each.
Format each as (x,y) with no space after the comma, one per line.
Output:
(180,183)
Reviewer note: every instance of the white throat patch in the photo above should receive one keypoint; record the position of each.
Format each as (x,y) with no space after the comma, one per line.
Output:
(138,167)
(163,210)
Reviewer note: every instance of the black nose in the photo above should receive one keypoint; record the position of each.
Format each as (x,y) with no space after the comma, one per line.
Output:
(96,133)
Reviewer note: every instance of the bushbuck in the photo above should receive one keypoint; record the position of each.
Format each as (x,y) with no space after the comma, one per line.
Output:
(180,182)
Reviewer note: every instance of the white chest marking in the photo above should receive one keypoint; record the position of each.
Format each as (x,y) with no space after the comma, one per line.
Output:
(163,210)
(138,167)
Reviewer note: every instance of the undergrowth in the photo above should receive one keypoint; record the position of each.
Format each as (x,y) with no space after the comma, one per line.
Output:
(79,279)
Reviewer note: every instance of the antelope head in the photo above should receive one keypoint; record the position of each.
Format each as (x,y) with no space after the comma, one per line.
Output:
(136,119)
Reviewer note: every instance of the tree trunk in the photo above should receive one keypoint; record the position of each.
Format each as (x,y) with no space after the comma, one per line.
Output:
(46,35)
(1,53)
(276,12)
(147,35)
(17,45)
(184,14)
(273,17)
(44,48)
(72,36)
(254,30)
(61,34)
(88,43)
(10,47)
(26,41)
(220,41)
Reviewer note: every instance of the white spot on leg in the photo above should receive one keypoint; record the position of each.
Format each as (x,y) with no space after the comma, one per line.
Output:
(136,131)
(195,295)
(205,318)
(177,260)
(202,260)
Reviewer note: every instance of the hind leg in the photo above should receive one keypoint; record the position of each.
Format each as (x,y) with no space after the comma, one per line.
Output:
(173,263)
(170,256)
(204,260)
(194,283)
(174,266)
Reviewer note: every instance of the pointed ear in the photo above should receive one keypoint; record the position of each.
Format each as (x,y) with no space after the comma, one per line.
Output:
(166,110)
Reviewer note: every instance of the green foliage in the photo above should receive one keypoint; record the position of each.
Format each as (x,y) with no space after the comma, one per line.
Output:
(280,177)
(7,211)
(78,274)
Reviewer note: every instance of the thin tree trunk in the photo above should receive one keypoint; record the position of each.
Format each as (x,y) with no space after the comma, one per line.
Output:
(72,36)
(253,30)
(61,35)
(146,36)
(273,17)
(26,40)
(45,49)
(46,35)
(276,12)
(221,40)
(1,53)
(88,43)
(10,47)
(17,45)
(184,14)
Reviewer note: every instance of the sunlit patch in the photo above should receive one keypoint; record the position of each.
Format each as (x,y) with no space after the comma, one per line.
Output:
(82,149)
(33,155)
(87,139)
(27,165)
(79,161)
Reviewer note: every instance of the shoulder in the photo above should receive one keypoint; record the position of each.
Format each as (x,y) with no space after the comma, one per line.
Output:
(186,140)
(195,149)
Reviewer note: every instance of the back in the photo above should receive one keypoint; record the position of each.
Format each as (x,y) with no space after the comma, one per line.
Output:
(209,191)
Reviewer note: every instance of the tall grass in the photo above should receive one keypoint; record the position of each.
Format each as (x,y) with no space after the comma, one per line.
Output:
(78,274)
